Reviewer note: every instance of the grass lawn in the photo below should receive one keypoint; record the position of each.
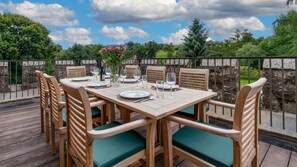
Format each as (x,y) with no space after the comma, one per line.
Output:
(161,54)
(244,78)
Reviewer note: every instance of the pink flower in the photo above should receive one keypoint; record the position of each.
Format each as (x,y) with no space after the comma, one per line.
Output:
(104,49)
(124,48)
(134,57)
(121,54)
(112,48)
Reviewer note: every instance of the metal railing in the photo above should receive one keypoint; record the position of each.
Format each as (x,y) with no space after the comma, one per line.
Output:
(227,75)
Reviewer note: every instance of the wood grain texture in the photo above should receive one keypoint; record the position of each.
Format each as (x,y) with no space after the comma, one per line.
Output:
(75,71)
(14,152)
(276,157)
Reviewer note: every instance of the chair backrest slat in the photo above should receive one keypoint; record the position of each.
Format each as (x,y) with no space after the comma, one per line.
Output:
(194,78)
(43,89)
(246,121)
(76,71)
(55,99)
(130,70)
(155,73)
(79,121)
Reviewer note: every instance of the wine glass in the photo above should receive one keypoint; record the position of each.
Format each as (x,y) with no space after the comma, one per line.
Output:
(123,74)
(136,75)
(108,71)
(171,80)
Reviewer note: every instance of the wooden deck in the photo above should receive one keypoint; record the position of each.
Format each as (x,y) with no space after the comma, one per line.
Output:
(22,144)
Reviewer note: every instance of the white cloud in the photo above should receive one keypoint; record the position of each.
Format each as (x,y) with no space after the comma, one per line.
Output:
(120,34)
(47,14)
(227,25)
(176,38)
(72,35)
(116,11)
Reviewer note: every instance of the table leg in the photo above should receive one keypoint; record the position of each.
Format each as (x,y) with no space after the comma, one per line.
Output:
(110,112)
(150,143)
(202,112)
(125,114)
(167,143)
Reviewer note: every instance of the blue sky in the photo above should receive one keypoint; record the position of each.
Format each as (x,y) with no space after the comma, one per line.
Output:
(164,21)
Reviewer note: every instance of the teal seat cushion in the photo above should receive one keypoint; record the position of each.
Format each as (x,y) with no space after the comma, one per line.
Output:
(96,112)
(189,111)
(212,148)
(112,150)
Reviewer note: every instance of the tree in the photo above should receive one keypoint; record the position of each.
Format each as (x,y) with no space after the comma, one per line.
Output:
(151,48)
(195,44)
(169,48)
(250,50)
(24,39)
(284,40)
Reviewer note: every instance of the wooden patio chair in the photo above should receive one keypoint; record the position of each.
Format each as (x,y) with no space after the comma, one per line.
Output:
(58,114)
(108,145)
(155,73)
(206,145)
(76,71)
(193,79)
(130,70)
(44,105)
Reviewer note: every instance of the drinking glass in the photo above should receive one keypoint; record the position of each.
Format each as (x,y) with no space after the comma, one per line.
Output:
(123,74)
(159,89)
(136,75)
(171,80)
(144,81)
(108,71)
(95,72)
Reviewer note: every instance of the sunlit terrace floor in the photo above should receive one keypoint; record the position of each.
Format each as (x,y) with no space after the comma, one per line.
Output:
(22,144)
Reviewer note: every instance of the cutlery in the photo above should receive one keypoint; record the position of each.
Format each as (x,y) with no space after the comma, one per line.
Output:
(139,100)
(150,98)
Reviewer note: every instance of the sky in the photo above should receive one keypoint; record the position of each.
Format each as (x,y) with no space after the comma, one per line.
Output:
(110,22)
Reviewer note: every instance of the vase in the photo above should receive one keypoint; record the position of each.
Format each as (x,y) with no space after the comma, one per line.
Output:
(114,77)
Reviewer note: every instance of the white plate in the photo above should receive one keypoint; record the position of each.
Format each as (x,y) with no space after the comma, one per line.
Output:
(130,80)
(97,84)
(166,86)
(81,79)
(134,94)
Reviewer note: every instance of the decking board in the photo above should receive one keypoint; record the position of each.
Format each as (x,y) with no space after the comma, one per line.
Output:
(22,143)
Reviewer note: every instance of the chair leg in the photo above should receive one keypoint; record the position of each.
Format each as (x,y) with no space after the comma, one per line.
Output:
(47,125)
(61,150)
(42,119)
(69,160)
(53,138)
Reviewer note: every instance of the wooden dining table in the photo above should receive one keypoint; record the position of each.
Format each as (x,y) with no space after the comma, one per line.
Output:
(156,108)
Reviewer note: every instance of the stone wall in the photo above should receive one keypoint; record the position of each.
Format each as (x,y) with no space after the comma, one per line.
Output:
(288,80)
(4,79)
(29,79)
(88,64)
(60,68)
(224,77)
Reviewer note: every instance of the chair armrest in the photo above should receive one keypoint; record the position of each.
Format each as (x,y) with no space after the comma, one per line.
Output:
(97,103)
(93,99)
(222,104)
(97,134)
(234,134)
(61,105)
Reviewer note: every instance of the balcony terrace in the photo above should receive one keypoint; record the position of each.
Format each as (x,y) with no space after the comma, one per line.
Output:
(22,144)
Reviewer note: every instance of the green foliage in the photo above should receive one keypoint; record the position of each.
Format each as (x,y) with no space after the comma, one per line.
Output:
(151,48)
(169,48)
(195,44)
(79,52)
(23,39)
(284,40)
(250,50)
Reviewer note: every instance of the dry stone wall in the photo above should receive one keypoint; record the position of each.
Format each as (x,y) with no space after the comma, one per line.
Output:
(29,79)
(60,68)
(224,77)
(88,64)
(4,81)
(273,92)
